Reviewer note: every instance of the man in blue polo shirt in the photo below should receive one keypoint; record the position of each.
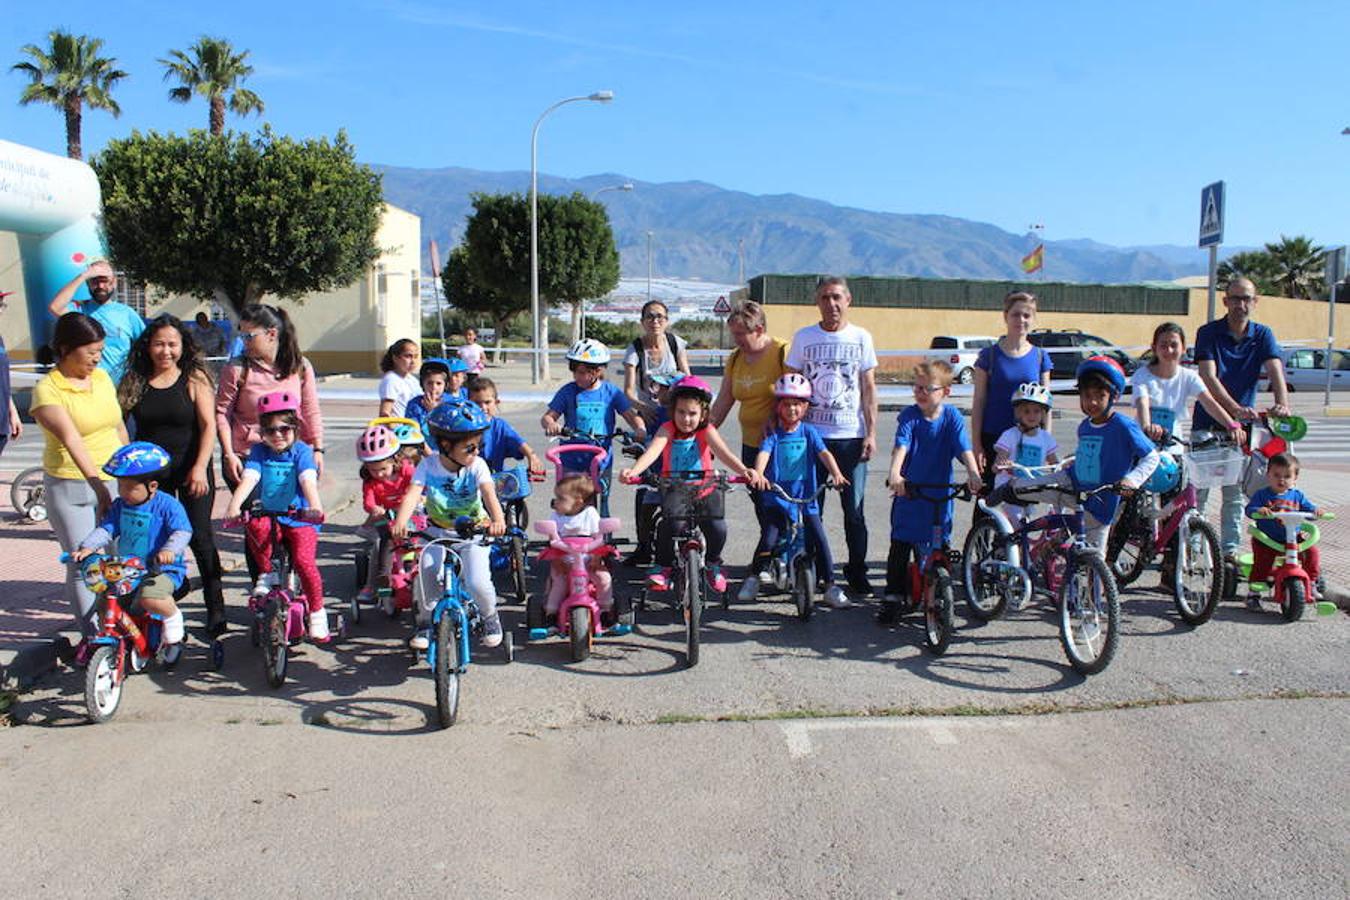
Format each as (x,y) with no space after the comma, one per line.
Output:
(121,324)
(1232,352)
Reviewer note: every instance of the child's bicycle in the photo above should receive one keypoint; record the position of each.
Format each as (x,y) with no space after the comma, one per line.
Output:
(792,567)
(126,641)
(930,570)
(580,617)
(1290,585)
(277,619)
(393,592)
(27,494)
(689,497)
(454,620)
(1047,556)
(1163,520)
(513,486)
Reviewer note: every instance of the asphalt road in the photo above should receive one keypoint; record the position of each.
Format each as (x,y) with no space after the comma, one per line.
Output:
(1195,765)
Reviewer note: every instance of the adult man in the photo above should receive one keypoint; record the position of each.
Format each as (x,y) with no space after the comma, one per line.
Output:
(121,324)
(211,340)
(1231,353)
(840,361)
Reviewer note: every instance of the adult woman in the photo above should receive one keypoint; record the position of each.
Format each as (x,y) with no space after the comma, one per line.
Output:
(999,369)
(399,383)
(751,370)
(656,352)
(271,361)
(76,406)
(167,394)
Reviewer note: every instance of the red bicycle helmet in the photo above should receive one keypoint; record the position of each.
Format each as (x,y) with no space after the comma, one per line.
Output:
(691,386)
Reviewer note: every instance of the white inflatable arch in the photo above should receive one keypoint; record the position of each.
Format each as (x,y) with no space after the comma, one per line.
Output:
(52,204)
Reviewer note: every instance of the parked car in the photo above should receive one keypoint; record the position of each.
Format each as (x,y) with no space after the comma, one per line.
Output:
(1187,358)
(964,349)
(1305,369)
(1068,347)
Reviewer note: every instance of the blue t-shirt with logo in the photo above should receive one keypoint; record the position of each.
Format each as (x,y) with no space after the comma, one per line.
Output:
(1105,453)
(792,464)
(121,326)
(143,530)
(592,412)
(931,447)
(499,442)
(1005,374)
(1290,500)
(1238,364)
(279,487)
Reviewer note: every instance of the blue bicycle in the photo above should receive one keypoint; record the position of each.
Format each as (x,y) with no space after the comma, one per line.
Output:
(513,486)
(454,620)
(792,568)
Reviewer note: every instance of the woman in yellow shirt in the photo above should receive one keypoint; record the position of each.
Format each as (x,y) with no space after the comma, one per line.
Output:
(76,406)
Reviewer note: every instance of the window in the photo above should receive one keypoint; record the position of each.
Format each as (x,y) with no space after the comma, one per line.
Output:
(1301,359)
(133,294)
(943,343)
(415,280)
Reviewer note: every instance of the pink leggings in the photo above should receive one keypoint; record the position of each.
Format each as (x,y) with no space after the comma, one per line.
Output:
(302,542)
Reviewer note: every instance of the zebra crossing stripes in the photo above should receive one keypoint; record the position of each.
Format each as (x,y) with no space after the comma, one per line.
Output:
(1327,441)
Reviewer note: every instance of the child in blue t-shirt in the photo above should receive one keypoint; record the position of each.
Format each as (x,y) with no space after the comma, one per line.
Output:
(146,524)
(589,404)
(929,437)
(435,377)
(1279,495)
(501,441)
(284,470)
(787,458)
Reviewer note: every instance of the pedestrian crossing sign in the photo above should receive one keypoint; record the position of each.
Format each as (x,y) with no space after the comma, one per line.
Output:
(1211,215)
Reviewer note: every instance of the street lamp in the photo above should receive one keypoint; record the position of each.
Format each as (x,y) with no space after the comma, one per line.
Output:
(626,186)
(539,368)
(649,267)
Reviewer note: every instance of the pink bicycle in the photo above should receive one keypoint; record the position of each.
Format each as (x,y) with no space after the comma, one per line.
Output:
(580,618)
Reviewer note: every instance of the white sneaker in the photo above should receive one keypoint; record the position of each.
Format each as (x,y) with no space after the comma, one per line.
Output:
(318,626)
(835,598)
(492,631)
(749,590)
(266,581)
(420,640)
(764,578)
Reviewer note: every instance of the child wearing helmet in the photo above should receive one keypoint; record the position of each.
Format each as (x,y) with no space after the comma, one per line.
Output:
(385,477)
(787,457)
(455,483)
(285,470)
(1027,443)
(686,446)
(590,404)
(146,523)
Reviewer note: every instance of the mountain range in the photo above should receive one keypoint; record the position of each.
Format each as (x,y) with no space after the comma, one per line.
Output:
(696,228)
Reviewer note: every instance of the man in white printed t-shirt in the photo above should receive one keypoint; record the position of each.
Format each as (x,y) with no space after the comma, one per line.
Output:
(840,362)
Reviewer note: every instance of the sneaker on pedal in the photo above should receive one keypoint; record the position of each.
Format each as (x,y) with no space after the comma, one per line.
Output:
(421,639)
(765,578)
(366,596)
(318,626)
(749,590)
(835,598)
(492,631)
(263,586)
(658,579)
(83,650)
(716,580)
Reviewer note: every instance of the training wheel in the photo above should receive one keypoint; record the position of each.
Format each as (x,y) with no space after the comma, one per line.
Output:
(508,647)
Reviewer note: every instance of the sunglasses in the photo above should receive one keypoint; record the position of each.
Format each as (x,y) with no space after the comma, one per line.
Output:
(468,448)
(928,388)
(278,429)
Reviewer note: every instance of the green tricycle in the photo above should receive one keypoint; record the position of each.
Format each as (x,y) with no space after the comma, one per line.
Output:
(1290,585)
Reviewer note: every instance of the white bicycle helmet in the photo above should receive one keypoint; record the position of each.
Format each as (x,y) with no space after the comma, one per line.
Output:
(589,352)
(1032,392)
(793,386)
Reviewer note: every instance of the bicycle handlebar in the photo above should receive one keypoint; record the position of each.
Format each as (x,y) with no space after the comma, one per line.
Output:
(955,490)
(804,501)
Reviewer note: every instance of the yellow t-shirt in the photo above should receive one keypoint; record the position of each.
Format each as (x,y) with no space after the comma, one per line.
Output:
(752,388)
(93,410)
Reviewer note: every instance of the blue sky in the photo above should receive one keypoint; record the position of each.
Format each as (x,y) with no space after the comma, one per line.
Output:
(1097,120)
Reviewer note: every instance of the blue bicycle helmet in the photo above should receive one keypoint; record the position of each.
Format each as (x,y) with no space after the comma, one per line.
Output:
(1106,368)
(433,364)
(457,418)
(458,365)
(136,460)
(1166,477)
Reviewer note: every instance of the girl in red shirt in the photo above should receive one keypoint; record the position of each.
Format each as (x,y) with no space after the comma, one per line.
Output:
(385,478)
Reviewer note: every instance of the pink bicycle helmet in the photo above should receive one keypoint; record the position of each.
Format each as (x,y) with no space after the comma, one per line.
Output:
(376,443)
(278,402)
(792,386)
(691,386)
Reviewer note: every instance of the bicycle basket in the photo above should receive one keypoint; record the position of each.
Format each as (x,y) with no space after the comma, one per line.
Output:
(1214,468)
(512,483)
(698,500)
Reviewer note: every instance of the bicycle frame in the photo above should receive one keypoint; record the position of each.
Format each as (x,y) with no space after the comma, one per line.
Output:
(575,553)
(455,602)
(1037,539)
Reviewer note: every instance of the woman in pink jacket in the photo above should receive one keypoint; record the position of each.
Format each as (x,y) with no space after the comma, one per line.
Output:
(271,361)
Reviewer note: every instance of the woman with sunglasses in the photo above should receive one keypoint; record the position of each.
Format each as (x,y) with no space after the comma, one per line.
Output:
(656,352)
(270,362)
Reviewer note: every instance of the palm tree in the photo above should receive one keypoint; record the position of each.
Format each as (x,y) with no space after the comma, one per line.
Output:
(212,70)
(1257,266)
(1298,266)
(69,74)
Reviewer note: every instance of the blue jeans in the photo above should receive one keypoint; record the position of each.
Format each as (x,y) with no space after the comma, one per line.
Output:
(1230,509)
(848,454)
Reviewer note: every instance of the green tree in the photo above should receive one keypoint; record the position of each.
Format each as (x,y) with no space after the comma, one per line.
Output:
(238,218)
(212,69)
(1255,265)
(1297,266)
(69,74)
(466,292)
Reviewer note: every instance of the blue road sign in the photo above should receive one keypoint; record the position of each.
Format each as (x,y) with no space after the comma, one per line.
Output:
(1211,214)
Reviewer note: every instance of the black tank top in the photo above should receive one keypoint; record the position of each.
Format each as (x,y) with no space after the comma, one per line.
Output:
(168,417)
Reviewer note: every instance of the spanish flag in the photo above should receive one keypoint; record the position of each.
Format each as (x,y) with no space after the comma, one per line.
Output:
(1033,261)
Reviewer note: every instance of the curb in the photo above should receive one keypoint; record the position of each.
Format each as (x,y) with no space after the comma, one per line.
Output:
(33,660)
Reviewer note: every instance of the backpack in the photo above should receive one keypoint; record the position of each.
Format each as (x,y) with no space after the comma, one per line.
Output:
(672,348)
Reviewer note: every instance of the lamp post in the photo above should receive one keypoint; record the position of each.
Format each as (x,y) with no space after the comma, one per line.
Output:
(626,186)
(649,267)
(539,367)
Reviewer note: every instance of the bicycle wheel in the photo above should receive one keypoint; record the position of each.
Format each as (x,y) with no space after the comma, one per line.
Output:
(692,578)
(1128,548)
(518,571)
(276,648)
(26,495)
(446,671)
(102,684)
(579,632)
(985,598)
(804,587)
(938,626)
(1197,579)
(1089,613)
(1294,601)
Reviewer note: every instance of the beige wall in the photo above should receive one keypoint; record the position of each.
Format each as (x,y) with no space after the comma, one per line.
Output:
(903,329)
(345,330)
